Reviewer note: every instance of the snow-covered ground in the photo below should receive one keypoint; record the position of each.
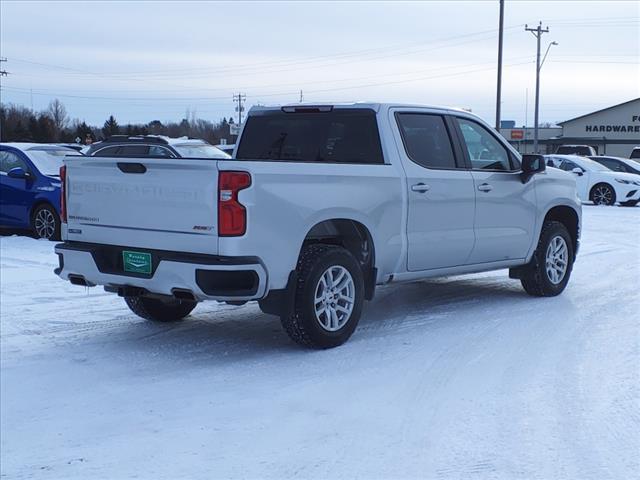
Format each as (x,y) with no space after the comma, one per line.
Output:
(463,377)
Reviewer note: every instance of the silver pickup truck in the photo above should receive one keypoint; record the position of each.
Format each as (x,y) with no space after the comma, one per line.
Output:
(318,206)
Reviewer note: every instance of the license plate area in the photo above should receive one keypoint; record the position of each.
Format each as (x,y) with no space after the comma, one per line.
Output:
(137,262)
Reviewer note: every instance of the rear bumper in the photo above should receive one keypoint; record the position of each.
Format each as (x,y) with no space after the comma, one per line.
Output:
(207,277)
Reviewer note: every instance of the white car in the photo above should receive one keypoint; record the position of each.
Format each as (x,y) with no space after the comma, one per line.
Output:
(598,184)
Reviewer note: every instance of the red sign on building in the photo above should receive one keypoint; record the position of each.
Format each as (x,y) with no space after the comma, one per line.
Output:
(517,134)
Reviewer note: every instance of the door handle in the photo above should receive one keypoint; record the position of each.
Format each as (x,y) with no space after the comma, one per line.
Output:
(420,187)
(485,187)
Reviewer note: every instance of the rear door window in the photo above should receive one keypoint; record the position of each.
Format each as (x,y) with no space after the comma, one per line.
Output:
(612,165)
(426,140)
(336,136)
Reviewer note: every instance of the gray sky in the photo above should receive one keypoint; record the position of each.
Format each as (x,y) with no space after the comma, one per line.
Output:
(152,60)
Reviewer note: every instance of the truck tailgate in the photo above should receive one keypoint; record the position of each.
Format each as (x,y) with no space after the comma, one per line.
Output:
(165,204)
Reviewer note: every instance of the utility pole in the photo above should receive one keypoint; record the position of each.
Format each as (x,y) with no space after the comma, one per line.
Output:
(499,92)
(526,117)
(301,96)
(240,98)
(537,32)
(3,73)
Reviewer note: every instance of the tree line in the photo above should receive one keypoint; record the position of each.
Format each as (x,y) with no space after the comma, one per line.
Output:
(53,125)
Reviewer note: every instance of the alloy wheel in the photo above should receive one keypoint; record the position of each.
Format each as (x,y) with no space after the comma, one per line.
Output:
(334,298)
(557,259)
(45,223)
(602,195)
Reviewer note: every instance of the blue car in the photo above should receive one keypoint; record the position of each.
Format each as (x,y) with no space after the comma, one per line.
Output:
(30,187)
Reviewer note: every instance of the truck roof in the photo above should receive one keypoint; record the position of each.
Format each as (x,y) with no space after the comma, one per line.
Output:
(376,106)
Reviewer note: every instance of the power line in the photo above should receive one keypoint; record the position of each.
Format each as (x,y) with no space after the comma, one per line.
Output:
(75,71)
(267,68)
(292,93)
(368,77)
(327,81)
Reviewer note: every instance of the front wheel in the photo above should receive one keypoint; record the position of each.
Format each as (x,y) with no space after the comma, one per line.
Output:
(329,294)
(46,222)
(548,272)
(157,310)
(603,194)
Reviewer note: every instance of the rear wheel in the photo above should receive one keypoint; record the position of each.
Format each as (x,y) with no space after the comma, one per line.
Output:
(548,272)
(603,194)
(158,310)
(329,294)
(45,222)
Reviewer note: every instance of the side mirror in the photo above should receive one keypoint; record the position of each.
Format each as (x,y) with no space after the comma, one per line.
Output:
(19,172)
(578,171)
(532,164)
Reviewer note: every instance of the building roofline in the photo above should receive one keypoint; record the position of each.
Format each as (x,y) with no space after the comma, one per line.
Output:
(599,111)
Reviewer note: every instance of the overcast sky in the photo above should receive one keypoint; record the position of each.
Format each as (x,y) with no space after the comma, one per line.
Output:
(142,61)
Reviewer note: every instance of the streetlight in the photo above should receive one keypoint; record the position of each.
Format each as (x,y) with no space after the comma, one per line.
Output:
(546,53)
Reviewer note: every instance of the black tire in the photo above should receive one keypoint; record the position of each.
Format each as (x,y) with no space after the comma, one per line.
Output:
(535,279)
(45,222)
(630,203)
(157,310)
(602,194)
(302,324)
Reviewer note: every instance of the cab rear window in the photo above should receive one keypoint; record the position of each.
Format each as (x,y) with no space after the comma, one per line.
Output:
(336,136)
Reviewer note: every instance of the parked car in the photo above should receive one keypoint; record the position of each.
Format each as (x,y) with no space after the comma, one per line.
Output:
(30,187)
(154,146)
(582,150)
(598,184)
(320,205)
(618,164)
(635,153)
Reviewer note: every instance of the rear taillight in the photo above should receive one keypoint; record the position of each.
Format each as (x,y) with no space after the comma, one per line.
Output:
(63,193)
(232,216)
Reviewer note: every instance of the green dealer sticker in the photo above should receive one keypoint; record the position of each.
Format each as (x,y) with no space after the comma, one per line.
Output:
(136,262)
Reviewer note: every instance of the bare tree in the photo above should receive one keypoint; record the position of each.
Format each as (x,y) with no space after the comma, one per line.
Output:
(58,114)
